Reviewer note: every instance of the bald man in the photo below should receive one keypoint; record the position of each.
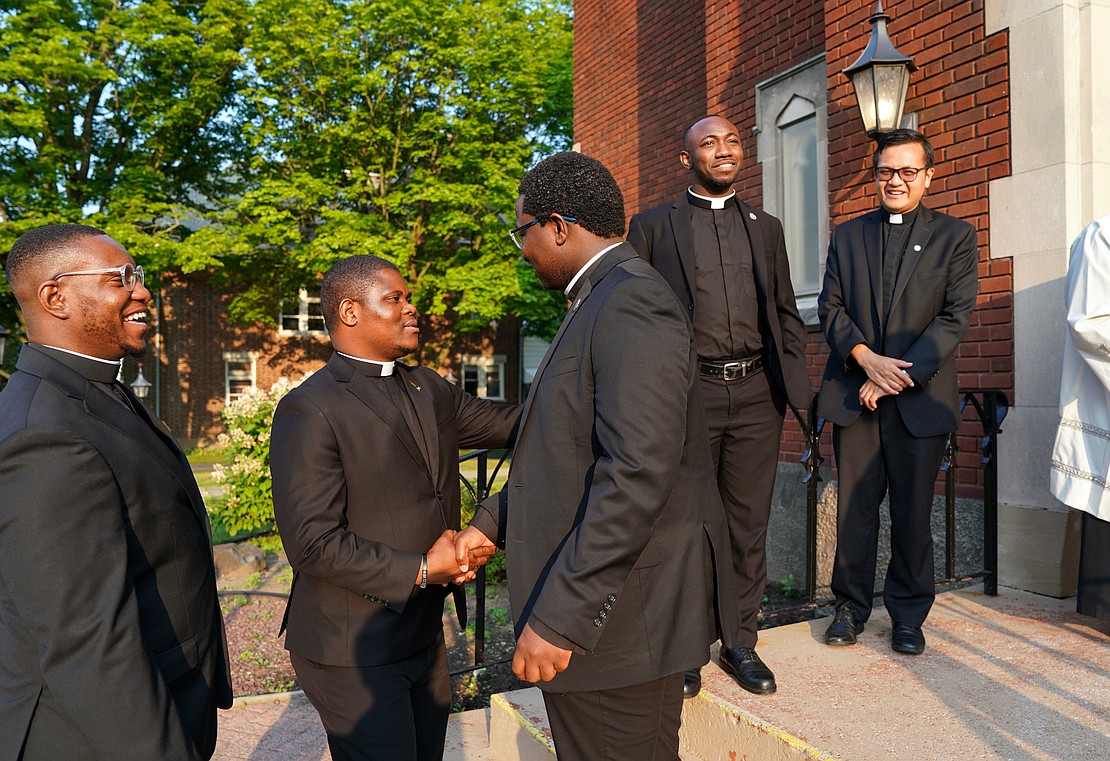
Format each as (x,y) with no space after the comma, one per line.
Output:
(726,261)
(112,639)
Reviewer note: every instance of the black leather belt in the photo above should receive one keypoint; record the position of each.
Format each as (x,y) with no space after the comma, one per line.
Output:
(732,370)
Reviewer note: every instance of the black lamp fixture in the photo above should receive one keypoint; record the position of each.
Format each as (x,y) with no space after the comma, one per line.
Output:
(880,78)
(141,386)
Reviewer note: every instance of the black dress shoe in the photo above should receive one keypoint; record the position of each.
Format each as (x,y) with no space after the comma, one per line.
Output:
(844,627)
(747,669)
(691,684)
(907,639)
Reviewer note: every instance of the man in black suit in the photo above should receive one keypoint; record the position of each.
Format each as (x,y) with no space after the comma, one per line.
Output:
(900,284)
(364,457)
(111,640)
(726,262)
(609,564)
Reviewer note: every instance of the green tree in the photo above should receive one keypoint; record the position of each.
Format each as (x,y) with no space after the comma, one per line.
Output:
(398,128)
(117,113)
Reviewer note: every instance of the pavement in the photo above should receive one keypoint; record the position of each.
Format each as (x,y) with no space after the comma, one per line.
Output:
(1017,676)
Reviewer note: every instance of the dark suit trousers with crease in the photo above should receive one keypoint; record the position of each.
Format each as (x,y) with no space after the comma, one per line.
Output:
(744,426)
(393,712)
(874,455)
(637,723)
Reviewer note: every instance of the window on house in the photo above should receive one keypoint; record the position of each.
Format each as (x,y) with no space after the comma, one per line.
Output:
(484,375)
(239,374)
(792,147)
(302,316)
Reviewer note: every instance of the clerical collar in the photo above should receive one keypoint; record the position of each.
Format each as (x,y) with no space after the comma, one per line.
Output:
(708,202)
(570,289)
(905,218)
(93,368)
(384,369)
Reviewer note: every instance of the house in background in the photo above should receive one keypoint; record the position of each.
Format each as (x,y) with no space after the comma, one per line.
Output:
(198,363)
(1014,94)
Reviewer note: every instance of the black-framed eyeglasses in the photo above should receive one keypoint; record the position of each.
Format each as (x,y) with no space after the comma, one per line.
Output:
(517,233)
(129,274)
(907,173)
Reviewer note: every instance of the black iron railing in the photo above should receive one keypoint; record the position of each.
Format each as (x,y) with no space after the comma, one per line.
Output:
(990,406)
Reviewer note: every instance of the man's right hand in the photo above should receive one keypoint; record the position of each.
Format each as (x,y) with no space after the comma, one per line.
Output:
(472,548)
(442,566)
(888,373)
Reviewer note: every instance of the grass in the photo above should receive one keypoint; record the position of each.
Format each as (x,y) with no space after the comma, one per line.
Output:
(205,456)
(205,478)
(469,469)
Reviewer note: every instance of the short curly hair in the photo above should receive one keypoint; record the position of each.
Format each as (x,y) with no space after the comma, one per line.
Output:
(575,185)
(348,279)
(45,248)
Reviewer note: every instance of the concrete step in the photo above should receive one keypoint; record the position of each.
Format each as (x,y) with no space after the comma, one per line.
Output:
(468,737)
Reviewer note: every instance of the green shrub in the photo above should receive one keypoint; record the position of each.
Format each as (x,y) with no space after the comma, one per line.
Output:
(247,505)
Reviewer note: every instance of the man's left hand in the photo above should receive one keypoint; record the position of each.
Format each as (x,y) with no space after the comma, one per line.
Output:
(536,659)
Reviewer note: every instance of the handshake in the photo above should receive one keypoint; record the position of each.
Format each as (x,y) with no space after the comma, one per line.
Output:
(456,557)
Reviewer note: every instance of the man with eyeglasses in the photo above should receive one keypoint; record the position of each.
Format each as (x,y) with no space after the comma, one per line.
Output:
(110,629)
(607,553)
(900,285)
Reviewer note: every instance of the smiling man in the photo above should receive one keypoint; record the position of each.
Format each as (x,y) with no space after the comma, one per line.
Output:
(726,261)
(365,463)
(112,640)
(900,285)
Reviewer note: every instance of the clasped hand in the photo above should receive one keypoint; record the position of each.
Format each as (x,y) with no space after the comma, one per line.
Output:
(445,567)
(885,376)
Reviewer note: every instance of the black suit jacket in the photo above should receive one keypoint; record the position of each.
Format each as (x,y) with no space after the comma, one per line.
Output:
(357,504)
(111,640)
(934,294)
(611,484)
(664,237)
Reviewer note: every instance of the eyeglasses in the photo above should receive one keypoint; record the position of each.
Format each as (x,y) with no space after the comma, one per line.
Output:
(129,274)
(907,173)
(517,233)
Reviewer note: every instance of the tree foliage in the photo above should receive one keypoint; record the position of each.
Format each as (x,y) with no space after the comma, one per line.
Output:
(267,138)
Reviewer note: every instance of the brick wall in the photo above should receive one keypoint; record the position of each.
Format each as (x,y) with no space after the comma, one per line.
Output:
(644,70)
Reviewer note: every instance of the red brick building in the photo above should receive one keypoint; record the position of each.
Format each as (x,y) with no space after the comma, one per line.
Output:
(646,69)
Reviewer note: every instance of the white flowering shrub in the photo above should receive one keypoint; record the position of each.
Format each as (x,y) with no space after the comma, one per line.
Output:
(247,506)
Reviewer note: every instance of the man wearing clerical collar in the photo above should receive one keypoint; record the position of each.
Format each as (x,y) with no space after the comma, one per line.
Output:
(727,263)
(900,285)
(364,457)
(111,633)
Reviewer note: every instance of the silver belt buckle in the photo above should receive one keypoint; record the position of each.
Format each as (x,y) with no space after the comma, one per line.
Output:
(734,370)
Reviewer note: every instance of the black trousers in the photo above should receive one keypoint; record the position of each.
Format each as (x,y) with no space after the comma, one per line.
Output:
(394,712)
(875,455)
(745,426)
(637,723)
(1094,568)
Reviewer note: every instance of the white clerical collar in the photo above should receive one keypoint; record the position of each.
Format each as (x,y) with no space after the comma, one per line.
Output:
(387,367)
(713,201)
(587,265)
(115,362)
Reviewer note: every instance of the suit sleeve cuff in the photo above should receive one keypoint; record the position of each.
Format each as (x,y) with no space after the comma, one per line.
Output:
(553,637)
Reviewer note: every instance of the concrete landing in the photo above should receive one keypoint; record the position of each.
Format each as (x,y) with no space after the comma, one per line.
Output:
(1017,676)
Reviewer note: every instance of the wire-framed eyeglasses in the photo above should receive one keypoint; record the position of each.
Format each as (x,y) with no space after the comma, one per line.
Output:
(517,233)
(907,173)
(130,275)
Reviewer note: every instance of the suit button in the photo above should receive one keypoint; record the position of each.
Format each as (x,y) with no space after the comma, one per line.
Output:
(597,622)
(607,606)
(612,598)
(365,596)
(602,614)
(439,495)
